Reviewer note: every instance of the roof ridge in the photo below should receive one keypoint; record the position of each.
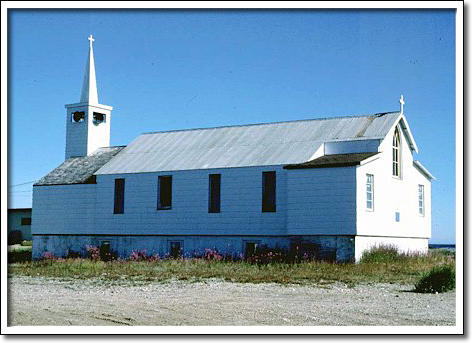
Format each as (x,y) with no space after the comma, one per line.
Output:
(272,123)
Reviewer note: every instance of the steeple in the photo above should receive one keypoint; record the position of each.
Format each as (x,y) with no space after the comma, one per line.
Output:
(89,87)
(87,122)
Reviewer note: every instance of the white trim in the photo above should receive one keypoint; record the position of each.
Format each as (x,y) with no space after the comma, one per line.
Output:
(370,159)
(423,170)
(86,104)
(405,128)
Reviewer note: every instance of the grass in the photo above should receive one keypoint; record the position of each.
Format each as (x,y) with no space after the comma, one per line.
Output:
(19,248)
(397,268)
(439,279)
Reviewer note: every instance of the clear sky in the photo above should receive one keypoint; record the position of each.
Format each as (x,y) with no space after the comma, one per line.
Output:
(164,70)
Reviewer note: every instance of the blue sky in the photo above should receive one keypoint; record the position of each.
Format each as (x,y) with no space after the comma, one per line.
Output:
(165,70)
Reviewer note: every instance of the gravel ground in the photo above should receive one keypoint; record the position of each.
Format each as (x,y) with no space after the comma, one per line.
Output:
(49,301)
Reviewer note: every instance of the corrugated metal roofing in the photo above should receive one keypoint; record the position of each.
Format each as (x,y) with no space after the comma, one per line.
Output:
(79,169)
(242,146)
(335,160)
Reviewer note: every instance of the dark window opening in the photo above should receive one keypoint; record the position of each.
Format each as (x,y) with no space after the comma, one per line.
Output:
(268,191)
(105,251)
(78,116)
(25,221)
(119,196)
(165,193)
(214,193)
(98,117)
(250,249)
(175,249)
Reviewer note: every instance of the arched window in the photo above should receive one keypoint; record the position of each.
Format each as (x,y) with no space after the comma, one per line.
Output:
(396,154)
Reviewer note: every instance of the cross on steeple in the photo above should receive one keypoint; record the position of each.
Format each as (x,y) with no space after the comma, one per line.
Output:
(89,87)
(402,102)
(90,38)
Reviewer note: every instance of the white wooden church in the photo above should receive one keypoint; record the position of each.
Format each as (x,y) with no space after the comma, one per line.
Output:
(333,186)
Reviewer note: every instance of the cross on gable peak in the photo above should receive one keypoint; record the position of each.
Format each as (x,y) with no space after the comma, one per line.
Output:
(402,102)
(91,39)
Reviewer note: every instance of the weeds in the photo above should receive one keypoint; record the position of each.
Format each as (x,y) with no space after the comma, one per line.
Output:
(437,280)
(408,271)
(381,264)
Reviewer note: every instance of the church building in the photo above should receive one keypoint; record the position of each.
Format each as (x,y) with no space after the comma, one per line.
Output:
(331,187)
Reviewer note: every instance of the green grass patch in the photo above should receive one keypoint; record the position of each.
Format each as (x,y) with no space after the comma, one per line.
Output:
(407,270)
(437,280)
(18,247)
(384,254)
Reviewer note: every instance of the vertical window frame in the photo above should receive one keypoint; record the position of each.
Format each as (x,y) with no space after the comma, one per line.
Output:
(421,206)
(214,193)
(397,156)
(269,191)
(162,203)
(119,197)
(397,216)
(370,182)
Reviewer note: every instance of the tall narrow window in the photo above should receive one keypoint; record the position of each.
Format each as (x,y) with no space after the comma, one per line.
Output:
(214,193)
(396,154)
(165,193)
(268,191)
(119,196)
(370,192)
(421,199)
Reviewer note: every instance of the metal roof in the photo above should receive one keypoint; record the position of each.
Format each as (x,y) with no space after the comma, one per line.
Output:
(242,146)
(76,170)
(335,160)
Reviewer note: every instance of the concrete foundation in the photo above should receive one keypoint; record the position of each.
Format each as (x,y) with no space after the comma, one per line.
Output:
(335,248)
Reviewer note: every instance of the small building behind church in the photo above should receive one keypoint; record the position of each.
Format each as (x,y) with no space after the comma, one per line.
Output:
(331,187)
(19,225)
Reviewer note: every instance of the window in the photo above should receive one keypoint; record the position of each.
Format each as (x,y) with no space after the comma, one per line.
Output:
(214,193)
(268,191)
(78,116)
(370,192)
(105,251)
(25,221)
(175,249)
(396,154)
(421,199)
(98,118)
(119,196)
(251,248)
(165,193)
(397,217)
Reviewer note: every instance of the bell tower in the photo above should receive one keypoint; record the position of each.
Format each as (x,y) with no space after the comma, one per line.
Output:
(87,122)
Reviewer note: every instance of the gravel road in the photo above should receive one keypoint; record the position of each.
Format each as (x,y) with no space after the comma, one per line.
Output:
(49,301)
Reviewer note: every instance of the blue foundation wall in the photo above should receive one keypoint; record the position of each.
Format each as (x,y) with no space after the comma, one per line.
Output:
(340,248)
